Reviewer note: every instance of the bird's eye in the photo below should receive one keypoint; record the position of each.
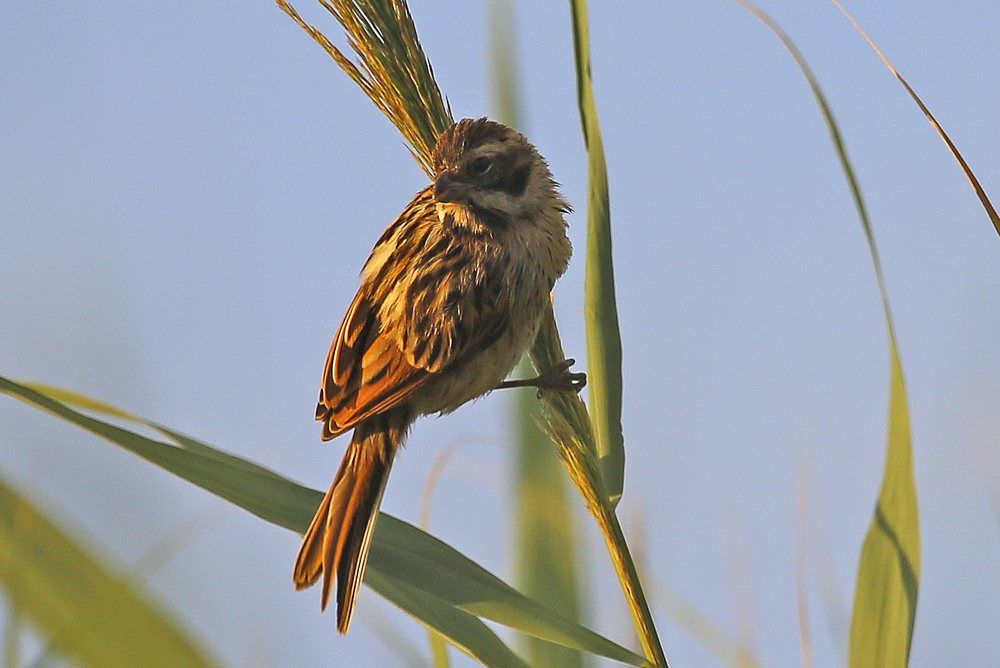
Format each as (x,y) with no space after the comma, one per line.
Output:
(481,165)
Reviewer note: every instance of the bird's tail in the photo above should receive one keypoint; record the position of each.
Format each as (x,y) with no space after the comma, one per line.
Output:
(337,541)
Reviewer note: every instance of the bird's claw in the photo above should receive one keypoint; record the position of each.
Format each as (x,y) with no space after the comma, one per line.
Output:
(558,377)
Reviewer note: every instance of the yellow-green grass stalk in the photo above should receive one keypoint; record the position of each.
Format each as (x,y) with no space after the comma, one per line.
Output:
(885,599)
(569,426)
(547,545)
(85,610)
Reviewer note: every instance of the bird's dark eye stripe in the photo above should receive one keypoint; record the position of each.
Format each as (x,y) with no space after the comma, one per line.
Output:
(481,165)
(515,182)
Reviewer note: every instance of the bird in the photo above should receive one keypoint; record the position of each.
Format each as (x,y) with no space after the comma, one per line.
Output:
(450,299)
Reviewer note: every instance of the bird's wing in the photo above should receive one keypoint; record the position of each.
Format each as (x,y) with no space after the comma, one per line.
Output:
(430,298)
(371,369)
(365,373)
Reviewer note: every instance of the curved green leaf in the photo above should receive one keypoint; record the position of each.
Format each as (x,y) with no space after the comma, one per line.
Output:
(885,600)
(399,550)
(85,611)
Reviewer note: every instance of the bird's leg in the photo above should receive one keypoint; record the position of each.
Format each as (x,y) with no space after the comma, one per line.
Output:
(558,377)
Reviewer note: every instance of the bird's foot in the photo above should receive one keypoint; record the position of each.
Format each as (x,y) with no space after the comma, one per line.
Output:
(558,377)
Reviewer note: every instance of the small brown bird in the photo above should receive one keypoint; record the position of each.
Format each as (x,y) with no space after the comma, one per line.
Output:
(450,299)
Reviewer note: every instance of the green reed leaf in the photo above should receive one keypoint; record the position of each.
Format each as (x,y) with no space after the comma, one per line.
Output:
(604,345)
(885,599)
(399,550)
(86,611)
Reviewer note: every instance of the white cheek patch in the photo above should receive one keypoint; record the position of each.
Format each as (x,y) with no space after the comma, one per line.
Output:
(497,200)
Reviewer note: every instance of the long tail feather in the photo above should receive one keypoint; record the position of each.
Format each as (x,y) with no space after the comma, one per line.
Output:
(337,541)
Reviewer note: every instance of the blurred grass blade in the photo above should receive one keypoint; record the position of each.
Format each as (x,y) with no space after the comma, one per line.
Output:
(701,627)
(980,193)
(801,568)
(90,614)
(547,541)
(439,650)
(604,345)
(393,72)
(439,646)
(885,600)
(399,551)
(12,634)
(813,538)
(545,537)
(745,622)
(503,63)
(831,599)
(465,631)
(391,634)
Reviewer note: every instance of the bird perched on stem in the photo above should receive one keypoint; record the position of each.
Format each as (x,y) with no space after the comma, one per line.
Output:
(450,299)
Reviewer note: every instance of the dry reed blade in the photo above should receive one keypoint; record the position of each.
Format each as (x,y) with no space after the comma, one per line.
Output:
(980,192)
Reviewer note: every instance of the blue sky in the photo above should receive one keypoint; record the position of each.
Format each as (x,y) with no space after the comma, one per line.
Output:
(188,191)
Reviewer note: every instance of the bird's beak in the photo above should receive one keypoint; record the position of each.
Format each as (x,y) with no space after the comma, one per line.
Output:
(447,189)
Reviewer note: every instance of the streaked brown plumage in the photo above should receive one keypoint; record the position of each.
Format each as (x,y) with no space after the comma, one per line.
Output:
(449,301)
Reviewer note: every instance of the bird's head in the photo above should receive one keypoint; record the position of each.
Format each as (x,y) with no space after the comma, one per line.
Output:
(493,171)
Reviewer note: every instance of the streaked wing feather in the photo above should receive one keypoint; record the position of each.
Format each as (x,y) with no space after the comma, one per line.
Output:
(365,373)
